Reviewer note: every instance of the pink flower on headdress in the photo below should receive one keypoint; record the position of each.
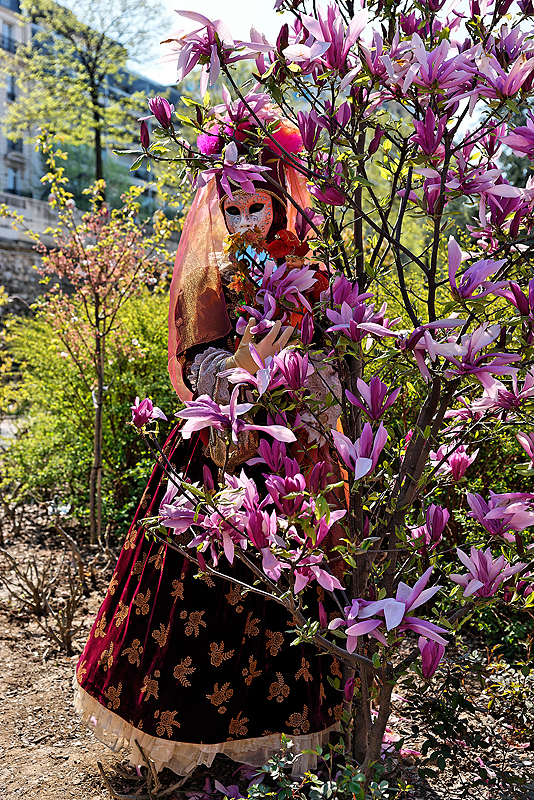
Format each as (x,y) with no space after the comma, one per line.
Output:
(233,170)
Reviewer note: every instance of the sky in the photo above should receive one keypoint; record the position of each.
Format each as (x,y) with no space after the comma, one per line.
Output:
(239,16)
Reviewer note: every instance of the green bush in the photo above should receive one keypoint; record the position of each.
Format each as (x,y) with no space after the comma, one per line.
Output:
(52,452)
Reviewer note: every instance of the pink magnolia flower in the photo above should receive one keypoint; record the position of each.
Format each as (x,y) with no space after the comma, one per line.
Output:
(291,285)
(500,83)
(280,487)
(143,411)
(192,48)
(521,140)
(375,401)
(271,454)
(392,613)
(144,134)
(455,464)
(233,170)
(309,130)
(474,276)
(356,322)
(361,456)
(431,655)
(434,69)
(205,412)
(485,574)
(511,511)
(526,440)
(295,369)
(179,514)
(497,395)
(430,534)
(162,110)
(344,291)
(328,28)
(261,529)
(483,365)
(330,195)
(429,133)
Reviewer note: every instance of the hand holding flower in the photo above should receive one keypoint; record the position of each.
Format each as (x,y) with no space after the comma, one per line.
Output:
(269,346)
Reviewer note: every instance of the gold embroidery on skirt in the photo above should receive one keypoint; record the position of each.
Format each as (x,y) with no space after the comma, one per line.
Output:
(121,614)
(112,588)
(251,628)
(130,540)
(251,672)
(274,642)
(161,635)
(336,712)
(237,726)
(134,652)
(100,627)
(194,622)
(114,696)
(278,689)
(80,672)
(178,590)
(299,722)
(335,669)
(218,655)
(304,671)
(166,721)
(234,597)
(220,696)
(141,601)
(158,558)
(183,669)
(150,686)
(106,658)
(139,565)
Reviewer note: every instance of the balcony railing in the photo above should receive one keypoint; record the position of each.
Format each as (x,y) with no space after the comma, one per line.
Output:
(8,43)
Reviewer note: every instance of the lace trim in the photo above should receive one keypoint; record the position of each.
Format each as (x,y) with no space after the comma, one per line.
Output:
(203,375)
(183,757)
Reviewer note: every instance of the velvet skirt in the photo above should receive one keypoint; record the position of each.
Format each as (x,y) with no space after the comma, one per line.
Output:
(190,667)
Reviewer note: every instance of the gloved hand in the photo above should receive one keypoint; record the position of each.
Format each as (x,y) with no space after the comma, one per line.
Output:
(268,346)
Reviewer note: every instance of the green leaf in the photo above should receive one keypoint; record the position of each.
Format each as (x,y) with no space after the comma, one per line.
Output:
(137,163)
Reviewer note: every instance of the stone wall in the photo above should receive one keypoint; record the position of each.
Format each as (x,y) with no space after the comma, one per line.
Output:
(18,259)
(18,275)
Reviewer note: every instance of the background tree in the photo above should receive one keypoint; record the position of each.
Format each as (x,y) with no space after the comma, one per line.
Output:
(99,263)
(72,75)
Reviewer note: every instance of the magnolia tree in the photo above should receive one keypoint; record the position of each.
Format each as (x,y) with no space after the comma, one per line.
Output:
(403,110)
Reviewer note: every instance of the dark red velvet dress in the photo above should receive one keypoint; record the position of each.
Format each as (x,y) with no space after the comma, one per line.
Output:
(191,667)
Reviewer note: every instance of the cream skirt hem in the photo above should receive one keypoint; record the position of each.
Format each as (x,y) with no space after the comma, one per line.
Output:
(183,757)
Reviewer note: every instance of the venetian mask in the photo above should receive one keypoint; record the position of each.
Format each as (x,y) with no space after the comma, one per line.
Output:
(247,211)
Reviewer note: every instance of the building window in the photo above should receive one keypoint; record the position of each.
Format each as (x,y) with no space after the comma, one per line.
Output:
(8,42)
(13,180)
(14,5)
(14,145)
(11,88)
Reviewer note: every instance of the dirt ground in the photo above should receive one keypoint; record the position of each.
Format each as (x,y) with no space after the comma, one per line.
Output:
(46,754)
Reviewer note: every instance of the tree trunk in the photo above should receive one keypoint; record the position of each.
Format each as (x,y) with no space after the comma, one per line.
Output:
(99,168)
(95,483)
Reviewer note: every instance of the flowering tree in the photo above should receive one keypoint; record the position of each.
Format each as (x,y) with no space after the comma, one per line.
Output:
(403,111)
(97,263)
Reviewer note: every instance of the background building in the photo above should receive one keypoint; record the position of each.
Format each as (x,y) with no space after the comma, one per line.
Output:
(21,168)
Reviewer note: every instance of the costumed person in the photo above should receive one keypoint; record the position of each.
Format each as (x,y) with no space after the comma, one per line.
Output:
(192,667)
